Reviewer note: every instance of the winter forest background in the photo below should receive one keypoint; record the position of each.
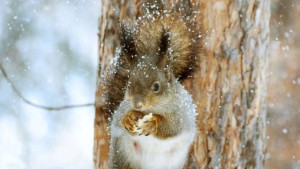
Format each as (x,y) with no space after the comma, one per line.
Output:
(49,50)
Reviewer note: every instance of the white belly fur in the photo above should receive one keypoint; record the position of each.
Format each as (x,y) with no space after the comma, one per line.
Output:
(153,153)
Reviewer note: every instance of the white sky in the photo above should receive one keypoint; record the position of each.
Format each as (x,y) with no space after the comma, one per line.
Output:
(49,50)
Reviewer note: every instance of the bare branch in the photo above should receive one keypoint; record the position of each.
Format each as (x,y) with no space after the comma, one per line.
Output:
(15,89)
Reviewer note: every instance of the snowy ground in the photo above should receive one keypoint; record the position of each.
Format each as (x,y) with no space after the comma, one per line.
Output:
(49,50)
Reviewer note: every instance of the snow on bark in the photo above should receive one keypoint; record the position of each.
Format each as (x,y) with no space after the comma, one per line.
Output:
(229,85)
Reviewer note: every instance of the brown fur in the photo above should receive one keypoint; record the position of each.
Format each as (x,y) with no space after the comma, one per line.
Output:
(158,125)
(183,41)
(144,39)
(114,85)
(156,48)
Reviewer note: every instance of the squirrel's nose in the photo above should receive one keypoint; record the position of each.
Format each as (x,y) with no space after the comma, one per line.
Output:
(138,105)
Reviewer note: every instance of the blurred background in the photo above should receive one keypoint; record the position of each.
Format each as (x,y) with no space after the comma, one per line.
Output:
(283,133)
(49,50)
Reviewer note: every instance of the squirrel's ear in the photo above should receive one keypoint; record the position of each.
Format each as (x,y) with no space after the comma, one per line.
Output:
(163,49)
(127,43)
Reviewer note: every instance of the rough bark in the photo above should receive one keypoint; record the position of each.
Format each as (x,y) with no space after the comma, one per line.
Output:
(229,85)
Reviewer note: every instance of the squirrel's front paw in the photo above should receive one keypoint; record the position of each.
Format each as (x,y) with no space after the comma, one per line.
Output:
(130,120)
(147,125)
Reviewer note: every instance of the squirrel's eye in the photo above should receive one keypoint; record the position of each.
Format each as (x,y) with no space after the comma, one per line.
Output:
(155,87)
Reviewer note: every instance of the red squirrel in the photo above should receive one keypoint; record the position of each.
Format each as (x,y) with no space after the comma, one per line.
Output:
(154,125)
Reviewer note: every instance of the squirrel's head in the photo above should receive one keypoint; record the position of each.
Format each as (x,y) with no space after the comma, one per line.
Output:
(151,78)
(149,86)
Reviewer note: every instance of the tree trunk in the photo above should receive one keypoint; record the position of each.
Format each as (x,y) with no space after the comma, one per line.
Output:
(229,85)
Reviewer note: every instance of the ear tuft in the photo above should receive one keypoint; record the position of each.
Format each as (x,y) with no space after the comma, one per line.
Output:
(163,49)
(164,42)
(127,43)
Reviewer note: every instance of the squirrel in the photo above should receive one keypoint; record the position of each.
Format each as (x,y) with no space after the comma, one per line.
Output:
(184,43)
(154,125)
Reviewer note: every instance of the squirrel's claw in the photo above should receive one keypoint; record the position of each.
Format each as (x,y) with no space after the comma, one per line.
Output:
(130,119)
(131,122)
(149,126)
